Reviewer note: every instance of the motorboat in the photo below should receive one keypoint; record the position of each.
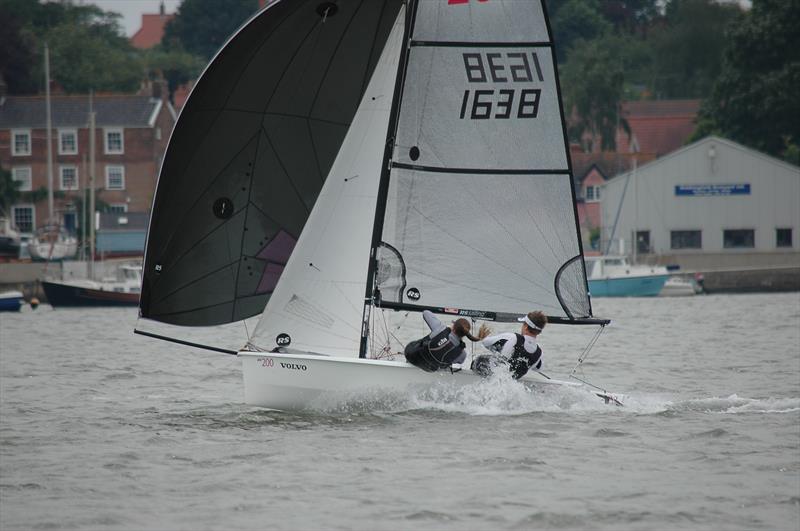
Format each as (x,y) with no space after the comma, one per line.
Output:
(122,289)
(614,276)
(11,301)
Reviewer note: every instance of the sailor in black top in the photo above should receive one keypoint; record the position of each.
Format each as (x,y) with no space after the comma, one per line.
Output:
(442,347)
(520,352)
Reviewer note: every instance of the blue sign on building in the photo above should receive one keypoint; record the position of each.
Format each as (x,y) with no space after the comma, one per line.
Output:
(712,189)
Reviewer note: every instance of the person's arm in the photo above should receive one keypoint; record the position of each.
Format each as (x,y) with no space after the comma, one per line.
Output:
(433,322)
(508,347)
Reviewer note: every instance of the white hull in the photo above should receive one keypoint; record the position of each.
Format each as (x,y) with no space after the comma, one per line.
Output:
(678,287)
(50,251)
(300,381)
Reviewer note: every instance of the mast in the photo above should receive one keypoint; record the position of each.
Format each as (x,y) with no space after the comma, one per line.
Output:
(92,141)
(49,133)
(383,187)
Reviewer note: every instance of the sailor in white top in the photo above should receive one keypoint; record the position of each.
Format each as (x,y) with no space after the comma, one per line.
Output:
(520,352)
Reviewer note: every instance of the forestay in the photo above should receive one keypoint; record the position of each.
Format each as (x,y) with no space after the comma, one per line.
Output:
(479,216)
(250,152)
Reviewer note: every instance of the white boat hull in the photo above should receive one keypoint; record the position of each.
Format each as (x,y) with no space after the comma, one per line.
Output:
(301,381)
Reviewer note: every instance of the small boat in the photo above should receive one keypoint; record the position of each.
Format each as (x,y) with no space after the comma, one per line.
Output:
(415,159)
(52,242)
(680,287)
(613,276)
(121,290)
(11,301)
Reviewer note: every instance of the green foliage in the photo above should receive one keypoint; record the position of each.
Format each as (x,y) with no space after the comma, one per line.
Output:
(592,82)
(755,98)
(82,58)
(200,27)
(687,49)
(576,20)
(9,193)
(88,50)
(174,65)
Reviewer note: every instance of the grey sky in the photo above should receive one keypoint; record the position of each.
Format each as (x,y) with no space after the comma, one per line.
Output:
(131,10)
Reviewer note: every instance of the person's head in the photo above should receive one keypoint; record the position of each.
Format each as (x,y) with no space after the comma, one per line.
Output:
(533,323)
(461,328)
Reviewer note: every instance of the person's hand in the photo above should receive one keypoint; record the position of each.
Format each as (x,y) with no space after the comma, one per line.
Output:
(484,331)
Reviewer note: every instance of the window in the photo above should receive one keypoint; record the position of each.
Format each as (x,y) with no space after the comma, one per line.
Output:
(739,238)
(643,242)
(23,218)
(69,177)
(115,177)
(117,208)
(593,193)
(158,133)
(67,142)
(114,142)
(22,175)
(20,142)
(783,237)
(685,239)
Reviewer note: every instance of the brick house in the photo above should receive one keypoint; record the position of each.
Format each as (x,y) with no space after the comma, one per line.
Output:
(151,31)
(130,139)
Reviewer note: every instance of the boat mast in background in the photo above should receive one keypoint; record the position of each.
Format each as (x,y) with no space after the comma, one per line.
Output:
(49,134)
(92,142)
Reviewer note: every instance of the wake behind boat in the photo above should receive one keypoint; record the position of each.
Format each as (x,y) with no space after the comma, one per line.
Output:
(440,123)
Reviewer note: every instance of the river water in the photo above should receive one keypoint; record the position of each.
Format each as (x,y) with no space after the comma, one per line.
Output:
(101,429)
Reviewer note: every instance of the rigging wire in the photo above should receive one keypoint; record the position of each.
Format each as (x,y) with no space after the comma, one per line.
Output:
(585,354)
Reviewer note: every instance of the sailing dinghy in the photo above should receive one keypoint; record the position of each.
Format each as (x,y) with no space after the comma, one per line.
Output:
(338,161)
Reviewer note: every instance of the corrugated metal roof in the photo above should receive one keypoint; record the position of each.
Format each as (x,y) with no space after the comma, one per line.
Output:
(73,111)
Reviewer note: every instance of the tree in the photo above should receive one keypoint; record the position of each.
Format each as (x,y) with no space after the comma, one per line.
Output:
(201,27)
(576,20)
(16,52)
(88,49)
(687,48)
(592,81)
(176,66)
(754,101)
(9,192)
(83,58)
(629,16)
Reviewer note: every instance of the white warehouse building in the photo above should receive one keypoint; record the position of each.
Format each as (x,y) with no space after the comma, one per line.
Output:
(713,204)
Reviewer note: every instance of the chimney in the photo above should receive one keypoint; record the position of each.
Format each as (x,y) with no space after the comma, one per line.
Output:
(160,89)
(161,10)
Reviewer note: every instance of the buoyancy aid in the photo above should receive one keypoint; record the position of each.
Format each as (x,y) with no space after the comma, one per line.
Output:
(433,353)
(519,363)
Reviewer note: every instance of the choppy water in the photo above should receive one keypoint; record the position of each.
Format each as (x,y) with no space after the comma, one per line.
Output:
(101,429)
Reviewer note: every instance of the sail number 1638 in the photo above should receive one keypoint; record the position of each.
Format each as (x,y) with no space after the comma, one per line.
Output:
(483,104)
